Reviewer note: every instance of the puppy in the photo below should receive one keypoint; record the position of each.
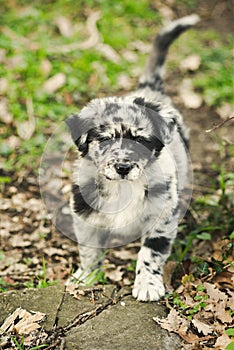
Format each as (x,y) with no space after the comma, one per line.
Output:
(131,171)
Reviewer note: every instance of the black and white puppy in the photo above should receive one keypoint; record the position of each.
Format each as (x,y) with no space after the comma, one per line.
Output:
(131,171)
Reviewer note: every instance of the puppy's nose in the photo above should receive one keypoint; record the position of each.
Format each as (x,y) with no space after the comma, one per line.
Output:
(123,168)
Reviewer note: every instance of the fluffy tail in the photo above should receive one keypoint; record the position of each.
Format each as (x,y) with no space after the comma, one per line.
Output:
(152,77)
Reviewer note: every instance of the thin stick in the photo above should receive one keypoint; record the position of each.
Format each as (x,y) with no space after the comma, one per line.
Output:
(216,126)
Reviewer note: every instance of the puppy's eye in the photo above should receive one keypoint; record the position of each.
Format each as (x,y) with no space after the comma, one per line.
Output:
(104,138)
(139,139)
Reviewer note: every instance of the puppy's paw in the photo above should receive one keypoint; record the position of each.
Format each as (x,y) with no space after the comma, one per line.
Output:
(148,287)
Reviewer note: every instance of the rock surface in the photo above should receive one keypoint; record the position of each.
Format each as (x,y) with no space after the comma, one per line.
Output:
(96,318)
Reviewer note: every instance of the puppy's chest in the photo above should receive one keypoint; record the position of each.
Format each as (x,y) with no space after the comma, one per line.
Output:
(121,204)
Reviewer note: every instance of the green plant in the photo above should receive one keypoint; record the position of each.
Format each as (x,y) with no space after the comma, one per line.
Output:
(41,279)
(214,78)
(20,345)
(197,302)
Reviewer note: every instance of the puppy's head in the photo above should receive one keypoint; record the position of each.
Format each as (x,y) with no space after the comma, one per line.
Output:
(120,135)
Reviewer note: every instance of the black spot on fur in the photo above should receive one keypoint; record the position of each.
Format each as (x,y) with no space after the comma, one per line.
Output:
(155,84)
(111,108)
(159,189)
(140,101)
(176,210)
(81,205)
(158,244)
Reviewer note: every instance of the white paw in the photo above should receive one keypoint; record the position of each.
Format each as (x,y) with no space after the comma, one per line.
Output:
(148,287)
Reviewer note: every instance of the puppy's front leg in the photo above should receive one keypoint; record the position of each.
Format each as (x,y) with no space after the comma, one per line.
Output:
(90,263)
(152,256)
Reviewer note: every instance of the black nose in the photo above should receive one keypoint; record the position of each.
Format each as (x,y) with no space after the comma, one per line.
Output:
(123,168)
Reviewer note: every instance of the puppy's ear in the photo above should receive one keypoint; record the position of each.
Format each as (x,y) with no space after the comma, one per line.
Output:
(163,126)
(79,128)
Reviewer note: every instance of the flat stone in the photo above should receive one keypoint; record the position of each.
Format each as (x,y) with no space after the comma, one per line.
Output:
(45,300)
(112,320)
(127,325)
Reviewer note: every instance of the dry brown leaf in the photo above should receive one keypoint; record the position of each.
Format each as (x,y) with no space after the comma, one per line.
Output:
(65,26)
(214,294)
(115,274)
(221,313)
(108,52)
(54,251)
(222,341)
(225,110)
(54,83)
(141,46)
(27,128)
(188,96)
(125,254)
(22,321)
(3,85)
(124,81)
(173,322)
(73,289)
(190,63)
(5,116)
(46,67)
(202,327)
(130,56)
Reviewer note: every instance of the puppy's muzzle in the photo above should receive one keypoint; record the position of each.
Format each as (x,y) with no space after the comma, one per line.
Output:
(123,168)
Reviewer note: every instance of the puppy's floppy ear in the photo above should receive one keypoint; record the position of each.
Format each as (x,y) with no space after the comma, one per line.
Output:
(163,126)
(79,128)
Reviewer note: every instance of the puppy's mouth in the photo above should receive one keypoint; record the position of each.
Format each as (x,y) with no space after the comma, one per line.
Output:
(122,171)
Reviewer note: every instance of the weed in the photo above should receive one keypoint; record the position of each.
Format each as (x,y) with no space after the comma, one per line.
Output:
(197,299)
(41,279)
(21,346)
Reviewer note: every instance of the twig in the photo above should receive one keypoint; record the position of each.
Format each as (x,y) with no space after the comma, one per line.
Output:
(216,126)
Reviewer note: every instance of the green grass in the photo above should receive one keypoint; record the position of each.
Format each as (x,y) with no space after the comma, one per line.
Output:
(29,34)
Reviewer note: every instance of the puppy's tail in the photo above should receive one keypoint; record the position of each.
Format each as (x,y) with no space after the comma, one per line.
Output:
(154,71)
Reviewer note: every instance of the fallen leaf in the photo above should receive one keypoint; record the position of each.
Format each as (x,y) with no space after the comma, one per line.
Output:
(188,96)
(225,110)
(190,63)
(26,129)
(22,321)
(214,294)
(108,52)
(3,85)
(54,83)
(46,67)
(65,27)
(125,254)
(115,274)
(130,56)
(202,327)
(54,251)
(221,313)
(73,289)
(5,116)
(125,82)
(222,341)
(173,322)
